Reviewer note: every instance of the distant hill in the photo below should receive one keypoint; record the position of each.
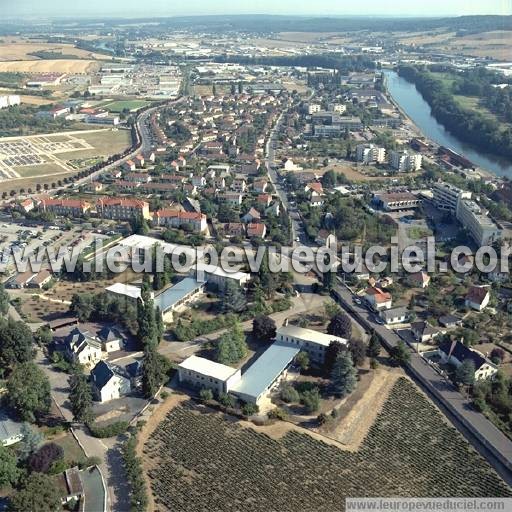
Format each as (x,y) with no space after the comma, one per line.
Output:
(271,23)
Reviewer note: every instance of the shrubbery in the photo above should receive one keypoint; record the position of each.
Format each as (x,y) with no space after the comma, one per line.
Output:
(112,430)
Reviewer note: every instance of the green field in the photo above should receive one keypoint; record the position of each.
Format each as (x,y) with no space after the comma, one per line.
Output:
(131,105)
(197,459)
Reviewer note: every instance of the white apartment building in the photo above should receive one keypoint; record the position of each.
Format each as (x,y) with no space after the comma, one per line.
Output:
(338,108)
(403,161)
(447,196)
(313,342)
(482,229)
(198,372)
(370,154)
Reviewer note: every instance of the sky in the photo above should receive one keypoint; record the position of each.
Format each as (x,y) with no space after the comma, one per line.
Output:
(129,8)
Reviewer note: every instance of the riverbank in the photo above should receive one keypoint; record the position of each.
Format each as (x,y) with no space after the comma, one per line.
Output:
(417,112)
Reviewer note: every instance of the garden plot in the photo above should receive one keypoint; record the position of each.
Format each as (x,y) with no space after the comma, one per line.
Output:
(20,154)
(197,460)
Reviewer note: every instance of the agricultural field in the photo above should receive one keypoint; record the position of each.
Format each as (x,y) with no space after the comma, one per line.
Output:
(131,105)
(22,49)
(22,157)
(198,459)
(49,66)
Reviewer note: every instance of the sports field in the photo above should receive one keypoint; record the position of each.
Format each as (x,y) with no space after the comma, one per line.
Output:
(131,105)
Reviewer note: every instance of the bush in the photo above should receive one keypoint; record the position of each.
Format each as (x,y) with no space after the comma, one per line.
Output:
(227,400)
(42,460)
(289,394)
(112,430)
(311,400)
(249,409)
(278,414)
(206,394)
(134,474)
(164,395)
(89,461)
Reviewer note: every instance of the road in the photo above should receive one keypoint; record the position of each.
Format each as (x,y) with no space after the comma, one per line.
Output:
(107,450)
(483,435)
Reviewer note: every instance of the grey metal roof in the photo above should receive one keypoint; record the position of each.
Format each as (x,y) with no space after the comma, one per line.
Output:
(168,298)
(264,371)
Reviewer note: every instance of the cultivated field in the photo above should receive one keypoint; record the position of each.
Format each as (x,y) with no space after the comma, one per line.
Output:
(49,66)
(200,460)
(20,49)
(43,154)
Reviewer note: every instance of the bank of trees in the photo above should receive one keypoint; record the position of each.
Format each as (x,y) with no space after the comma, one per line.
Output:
(469,125)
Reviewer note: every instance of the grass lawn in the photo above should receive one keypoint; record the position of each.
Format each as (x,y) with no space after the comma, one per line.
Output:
(416,233)
(131,105)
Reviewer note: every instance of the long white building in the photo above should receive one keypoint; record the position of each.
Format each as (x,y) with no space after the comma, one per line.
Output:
(199,373)
(313,342)
(447,196)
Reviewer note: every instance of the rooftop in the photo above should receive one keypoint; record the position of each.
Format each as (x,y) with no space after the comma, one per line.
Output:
(208,368)
(168,298)
(125,289)
(262,373)
(309,335)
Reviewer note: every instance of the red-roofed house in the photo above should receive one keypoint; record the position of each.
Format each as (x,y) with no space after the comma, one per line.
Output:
(378,298)
(178,219)
(73,207)
(256,230)
(420,279)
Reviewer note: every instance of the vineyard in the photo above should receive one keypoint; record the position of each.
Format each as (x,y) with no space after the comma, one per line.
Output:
(196,460)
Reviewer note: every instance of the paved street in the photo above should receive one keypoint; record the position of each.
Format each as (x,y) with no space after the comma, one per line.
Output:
(484,436)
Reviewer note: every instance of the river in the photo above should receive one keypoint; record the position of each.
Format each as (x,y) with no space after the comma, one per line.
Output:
(412,103)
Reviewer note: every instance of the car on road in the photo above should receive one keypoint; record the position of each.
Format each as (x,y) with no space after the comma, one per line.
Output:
(357,301)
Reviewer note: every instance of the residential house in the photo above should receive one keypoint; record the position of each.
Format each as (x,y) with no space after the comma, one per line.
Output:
(10,430)
(196,222)
(109,382)
(423,331)
(394,315)
(377,298)
(258,230)
(264,200)
(450,321)
(231,229)
(82,348)
(314,189)
(260,186)
(129,165)
(111,340)
(231,198)
(478,297)
(455,352)
(138,177)
(419,279)
(41,279)
(239,185)
(252,215)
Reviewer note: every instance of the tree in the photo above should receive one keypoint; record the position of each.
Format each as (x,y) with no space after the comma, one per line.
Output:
(289,394)
(9,472)
(153,372)
(344,375)
(232,346)
(249,409)
(334,348)
(233,298)
(31,440)
(4,301)
(264,328)
(302,359)
(465,373)
(16,343)
(206,394)
(311,400)
(340,325)
(29,391)
(43,336)
(80,396)
(374,346)
(146,319)
(497,355)
(358,351)
(41,461)
(400,355)
(82,305)
(38,492)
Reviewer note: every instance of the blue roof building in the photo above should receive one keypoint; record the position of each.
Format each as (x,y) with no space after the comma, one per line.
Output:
(266,371)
